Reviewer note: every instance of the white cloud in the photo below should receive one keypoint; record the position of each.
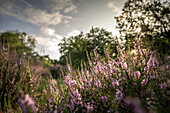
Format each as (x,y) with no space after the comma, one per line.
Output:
(49,47)
(64,5)
(50,33)
(66,21)
(69,9)
(26,12)
(73,33)
(114,7)
(49,42)
(110,4)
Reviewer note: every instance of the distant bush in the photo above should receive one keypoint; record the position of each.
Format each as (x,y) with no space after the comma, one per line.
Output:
(55,70)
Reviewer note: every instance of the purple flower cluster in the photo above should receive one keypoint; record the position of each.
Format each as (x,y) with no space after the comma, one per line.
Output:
(103,86)
(26,103)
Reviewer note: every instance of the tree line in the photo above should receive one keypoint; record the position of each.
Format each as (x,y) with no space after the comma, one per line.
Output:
(151,16)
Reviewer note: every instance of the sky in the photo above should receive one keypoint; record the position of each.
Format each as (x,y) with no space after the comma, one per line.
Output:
(51,20)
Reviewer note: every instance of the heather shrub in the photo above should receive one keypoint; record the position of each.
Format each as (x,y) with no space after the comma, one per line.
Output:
(25,86)
(13,72)
(131,83)
(134,82)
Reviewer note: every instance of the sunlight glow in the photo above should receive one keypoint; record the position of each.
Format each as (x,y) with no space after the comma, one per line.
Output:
(133,52)
(51,32)
(138,30)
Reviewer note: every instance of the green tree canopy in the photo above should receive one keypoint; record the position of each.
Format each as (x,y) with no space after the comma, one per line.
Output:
(152,16)
(23,43)
(77,46)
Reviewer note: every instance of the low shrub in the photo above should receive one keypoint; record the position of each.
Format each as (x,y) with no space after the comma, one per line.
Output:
(13,72)
(133,83)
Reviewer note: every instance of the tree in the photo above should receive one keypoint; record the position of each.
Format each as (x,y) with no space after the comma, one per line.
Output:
(151,16)
(77,46)
(23,43)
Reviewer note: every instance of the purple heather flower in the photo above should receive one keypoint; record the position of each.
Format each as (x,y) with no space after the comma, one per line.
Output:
(145,69)
(95,53)
(153,77)
(89,107)
(119,95)
(98,83)
(153,94)
(120,51)
(168,67)
(82,71)
(72,82)
(106,53)
(121,59)
(115,83)
(163,86)
(144,81)
(71,107)
(137,74)
(104,99)
(27,101)
(144,61)
(110,111)
(87,74)
(69,68)
(152,62)
(124,65)
(92,70)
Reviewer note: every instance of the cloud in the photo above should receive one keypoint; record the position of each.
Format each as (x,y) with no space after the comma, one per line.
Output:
(48,46)
(114,7)
(69,9)
(62,5)
(50,33)
(73,33)
(110,4)
(49,42)
(25,11)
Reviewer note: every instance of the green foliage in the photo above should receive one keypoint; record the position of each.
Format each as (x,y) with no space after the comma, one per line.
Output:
(76,47)
(23,43)
(55,70)
(152,16)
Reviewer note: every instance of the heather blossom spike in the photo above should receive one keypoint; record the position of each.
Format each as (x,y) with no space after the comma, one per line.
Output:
(137,74)
(115,83)
(26,103)
(119,95)
(163,86)
(89,107)
(144,81)
(124,65)
(104,99)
